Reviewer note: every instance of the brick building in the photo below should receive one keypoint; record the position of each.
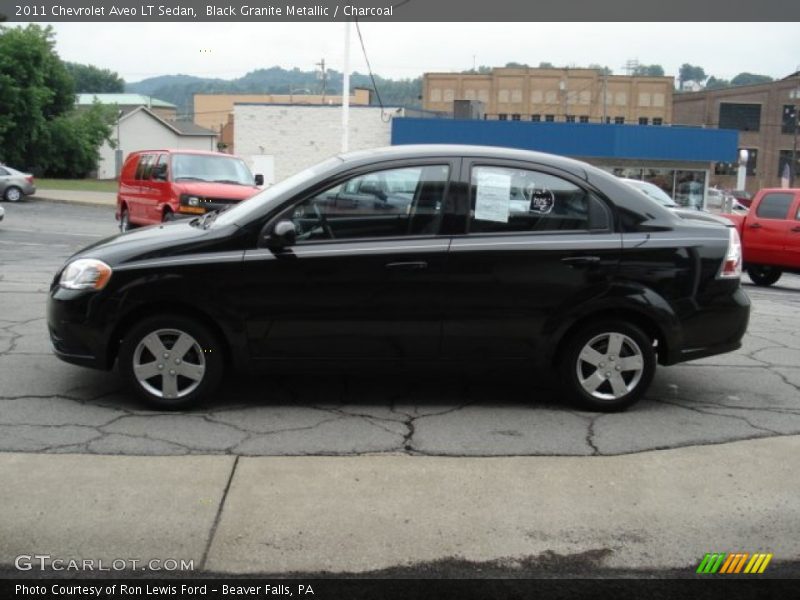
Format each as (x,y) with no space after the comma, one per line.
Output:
(558,95)
(763,114)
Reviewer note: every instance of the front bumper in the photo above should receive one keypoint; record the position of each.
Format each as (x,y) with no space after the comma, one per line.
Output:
(75,337)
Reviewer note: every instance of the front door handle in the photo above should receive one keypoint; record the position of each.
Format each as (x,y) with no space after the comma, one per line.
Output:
(407,266)
(581,260)
(796,229)
(755,226)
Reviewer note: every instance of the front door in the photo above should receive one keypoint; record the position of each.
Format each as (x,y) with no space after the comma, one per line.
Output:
(364,280)
(767,228)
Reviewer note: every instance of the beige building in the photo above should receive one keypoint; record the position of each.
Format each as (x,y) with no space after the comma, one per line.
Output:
(572,95)
(212,110)
(764,116)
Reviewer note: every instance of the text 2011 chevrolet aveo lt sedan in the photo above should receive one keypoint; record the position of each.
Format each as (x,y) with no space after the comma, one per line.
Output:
(405,256)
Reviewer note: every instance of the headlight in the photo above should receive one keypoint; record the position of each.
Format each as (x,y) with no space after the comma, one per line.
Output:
(193,201)
(85,274)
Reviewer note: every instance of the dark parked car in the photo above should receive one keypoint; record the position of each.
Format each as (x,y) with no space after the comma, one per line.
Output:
(410,256)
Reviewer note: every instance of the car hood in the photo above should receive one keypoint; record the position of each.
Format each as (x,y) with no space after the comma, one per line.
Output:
(169,239)
(230,191)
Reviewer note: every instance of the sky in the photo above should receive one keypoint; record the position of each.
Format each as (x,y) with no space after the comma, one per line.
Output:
(406,50)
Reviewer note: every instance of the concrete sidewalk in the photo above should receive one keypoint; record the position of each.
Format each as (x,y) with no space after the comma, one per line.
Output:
(654,510)
(76,197)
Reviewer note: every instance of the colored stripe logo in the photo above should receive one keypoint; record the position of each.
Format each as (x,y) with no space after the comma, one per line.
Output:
(733,563)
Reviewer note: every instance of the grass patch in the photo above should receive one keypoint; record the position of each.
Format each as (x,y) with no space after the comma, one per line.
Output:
(80,185)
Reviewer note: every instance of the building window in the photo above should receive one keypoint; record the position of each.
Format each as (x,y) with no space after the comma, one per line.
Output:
(570,118)
(643,120)
(449,95)
(619,120)
(744,117)
(658,121)
(536,118)
(515,117)
(436,95)
(516,96)
(585,97)
(503,117)
(483,96)
(658,100)
(551,97)
(537,97)
(572,97)
(584,119)
(470,95)
(549,118)
(608,120)
(620,99)
(644,99)
(788,119)
(731,168)
(785,160)
(502,96)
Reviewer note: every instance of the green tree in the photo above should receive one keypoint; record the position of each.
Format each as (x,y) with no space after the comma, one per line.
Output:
(39,130)
(600,69)
(36,88)
(546,65)
(516,65)
(750,79)
(649,71)
(714,83)
(691,73)
(93,80)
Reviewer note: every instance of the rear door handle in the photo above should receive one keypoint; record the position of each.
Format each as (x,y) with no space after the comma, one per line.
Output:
(407,266)
(581,260)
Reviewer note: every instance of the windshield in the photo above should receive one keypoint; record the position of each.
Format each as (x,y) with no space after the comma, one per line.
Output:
(262,203)
(202,167)
(653,191)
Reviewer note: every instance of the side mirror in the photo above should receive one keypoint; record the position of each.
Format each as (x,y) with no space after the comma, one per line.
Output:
(283,235)
(259,179)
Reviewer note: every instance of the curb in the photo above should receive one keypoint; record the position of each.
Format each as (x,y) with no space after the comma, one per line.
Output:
(37,198)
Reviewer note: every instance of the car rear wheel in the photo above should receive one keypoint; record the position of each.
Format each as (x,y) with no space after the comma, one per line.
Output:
(125,221)
(607,366)
(13,194)
(762,275)
(171,361)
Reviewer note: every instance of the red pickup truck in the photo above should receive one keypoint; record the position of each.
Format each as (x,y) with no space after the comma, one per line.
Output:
(770,234)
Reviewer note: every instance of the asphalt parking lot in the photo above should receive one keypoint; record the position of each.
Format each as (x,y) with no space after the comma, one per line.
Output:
(47,406)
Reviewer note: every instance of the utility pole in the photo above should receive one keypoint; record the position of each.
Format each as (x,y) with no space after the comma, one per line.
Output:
(346,90)
(323,75)
(794,95)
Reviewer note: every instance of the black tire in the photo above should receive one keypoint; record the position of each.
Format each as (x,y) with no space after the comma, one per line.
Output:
(763,275)
(125,221)
(13,194)
(579,375)
(195,373)
(167,216)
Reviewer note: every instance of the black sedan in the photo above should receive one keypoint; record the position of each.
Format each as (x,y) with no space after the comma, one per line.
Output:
(405,257)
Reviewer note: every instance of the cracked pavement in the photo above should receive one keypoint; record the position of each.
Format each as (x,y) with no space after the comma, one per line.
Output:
(47,406)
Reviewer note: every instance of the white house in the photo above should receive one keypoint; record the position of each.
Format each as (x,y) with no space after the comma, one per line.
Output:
(278,140)
(141,129)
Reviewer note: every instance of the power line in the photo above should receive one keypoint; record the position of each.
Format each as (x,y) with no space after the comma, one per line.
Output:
(369,68)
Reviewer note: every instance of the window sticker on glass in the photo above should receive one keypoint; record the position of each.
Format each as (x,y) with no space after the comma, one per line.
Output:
(493,195)
(541,200)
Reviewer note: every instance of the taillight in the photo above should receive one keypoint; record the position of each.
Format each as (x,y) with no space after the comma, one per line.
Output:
(732,264)
(29,179)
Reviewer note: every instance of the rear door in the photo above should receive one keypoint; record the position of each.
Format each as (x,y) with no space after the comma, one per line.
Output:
(538,245)
(766,228)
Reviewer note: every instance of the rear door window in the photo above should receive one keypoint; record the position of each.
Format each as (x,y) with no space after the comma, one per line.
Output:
(520,200)
(775,206)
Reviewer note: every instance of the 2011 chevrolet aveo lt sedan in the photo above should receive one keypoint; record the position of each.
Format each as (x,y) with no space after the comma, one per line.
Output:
(410,256)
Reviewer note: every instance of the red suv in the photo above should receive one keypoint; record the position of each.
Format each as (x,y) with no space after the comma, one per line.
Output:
(161,185)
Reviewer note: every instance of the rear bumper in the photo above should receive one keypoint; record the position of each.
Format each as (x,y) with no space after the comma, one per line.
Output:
(718,327)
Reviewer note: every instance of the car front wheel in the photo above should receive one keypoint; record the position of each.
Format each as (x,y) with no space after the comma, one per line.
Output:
(607,366)
(171,361)
(125,221)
